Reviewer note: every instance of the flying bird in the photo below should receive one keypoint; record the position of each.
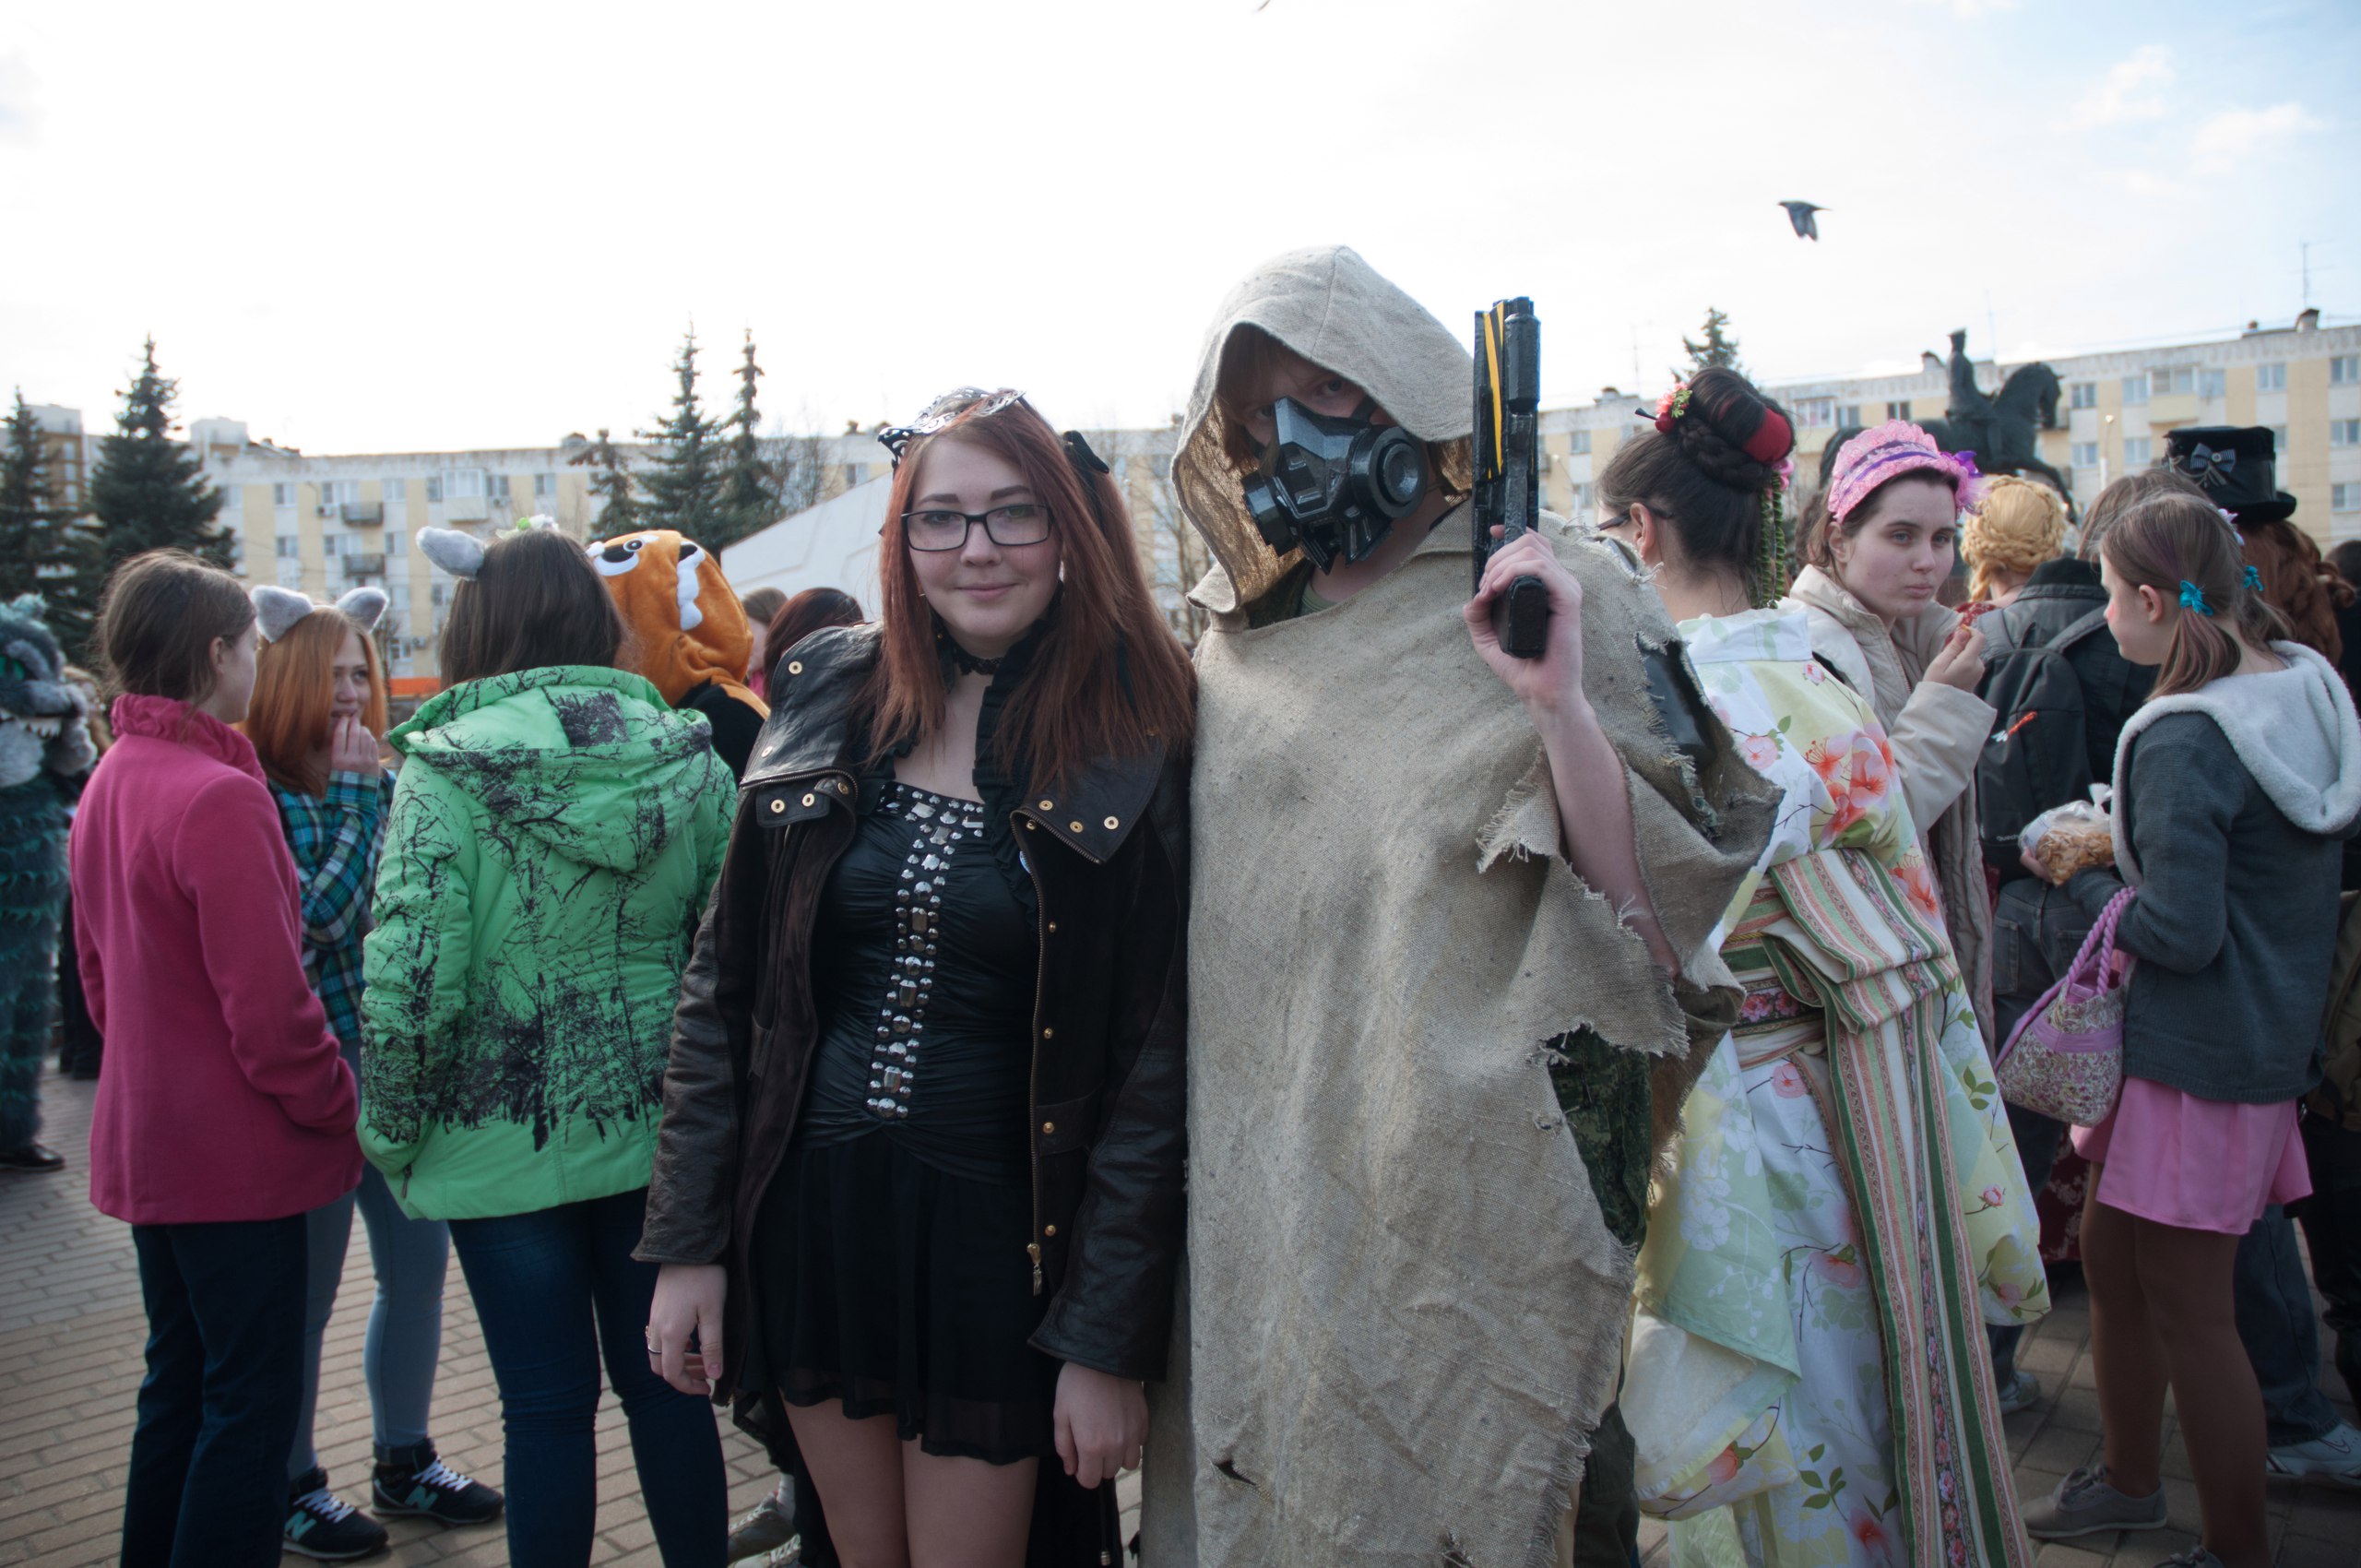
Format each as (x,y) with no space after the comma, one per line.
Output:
(1799,213)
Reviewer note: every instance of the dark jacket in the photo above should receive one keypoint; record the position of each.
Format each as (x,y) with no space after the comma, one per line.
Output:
(1107,857)
(2060,691)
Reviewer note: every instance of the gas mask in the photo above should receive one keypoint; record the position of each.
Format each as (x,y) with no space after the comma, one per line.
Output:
(1334,486)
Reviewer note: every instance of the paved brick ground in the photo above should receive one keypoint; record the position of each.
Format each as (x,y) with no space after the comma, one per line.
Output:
(71,1330)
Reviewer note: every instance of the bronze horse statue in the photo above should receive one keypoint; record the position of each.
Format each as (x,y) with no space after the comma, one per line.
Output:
(1998,429)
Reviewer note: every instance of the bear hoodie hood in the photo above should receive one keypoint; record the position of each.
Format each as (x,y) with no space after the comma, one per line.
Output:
(590,761)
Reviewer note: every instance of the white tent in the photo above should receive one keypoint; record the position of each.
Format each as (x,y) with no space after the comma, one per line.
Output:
(831,545)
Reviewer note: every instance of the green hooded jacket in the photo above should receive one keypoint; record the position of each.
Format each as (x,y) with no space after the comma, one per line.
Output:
(552,838)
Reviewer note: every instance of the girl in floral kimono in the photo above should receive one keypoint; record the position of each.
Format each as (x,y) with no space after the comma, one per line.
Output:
(1808,1383)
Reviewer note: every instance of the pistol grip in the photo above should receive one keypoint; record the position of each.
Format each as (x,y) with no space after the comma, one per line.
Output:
(1521,618)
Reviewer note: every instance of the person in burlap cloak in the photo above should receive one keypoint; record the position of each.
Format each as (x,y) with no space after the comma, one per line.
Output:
(1429,1062)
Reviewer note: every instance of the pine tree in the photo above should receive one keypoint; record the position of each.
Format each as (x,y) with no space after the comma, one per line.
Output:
(148,492)
(43,549)
(1718,349)
(684,487)
(750,500)
(612,484)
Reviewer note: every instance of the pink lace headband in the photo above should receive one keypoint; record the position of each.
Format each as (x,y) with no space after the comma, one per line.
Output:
(1889,451)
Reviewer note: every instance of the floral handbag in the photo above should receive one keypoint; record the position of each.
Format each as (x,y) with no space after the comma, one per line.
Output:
(2065,1057)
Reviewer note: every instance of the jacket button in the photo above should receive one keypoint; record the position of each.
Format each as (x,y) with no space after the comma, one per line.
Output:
(1047,805)
(1049,1127)
(1028,827)
(1049,1034)
(1049,1231)
(795,667)
(1073,827)
(1053,925)
(1112,825)
(810,799)
(777,806)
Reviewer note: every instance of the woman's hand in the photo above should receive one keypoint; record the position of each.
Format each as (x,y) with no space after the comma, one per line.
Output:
(688,1300)
(1961,662)
(1102,1422)
(1554,680)
(352,749)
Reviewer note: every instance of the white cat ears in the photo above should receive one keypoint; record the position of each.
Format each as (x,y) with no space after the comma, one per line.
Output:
(278,609)
(461,554)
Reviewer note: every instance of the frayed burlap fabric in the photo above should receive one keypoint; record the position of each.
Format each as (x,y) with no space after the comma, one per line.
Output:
(1403,1314)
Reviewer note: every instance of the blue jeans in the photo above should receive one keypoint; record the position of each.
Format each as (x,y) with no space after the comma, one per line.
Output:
(553,1291)
(225,1327)
(2281,1331)
(405,1336)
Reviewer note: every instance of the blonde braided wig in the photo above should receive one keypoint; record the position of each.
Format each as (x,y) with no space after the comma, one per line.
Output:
(2017,526)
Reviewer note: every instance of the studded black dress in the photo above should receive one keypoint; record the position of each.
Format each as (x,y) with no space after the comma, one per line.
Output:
(892,1273)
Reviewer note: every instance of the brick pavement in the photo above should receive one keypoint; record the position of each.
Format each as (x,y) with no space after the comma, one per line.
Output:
(71,1330)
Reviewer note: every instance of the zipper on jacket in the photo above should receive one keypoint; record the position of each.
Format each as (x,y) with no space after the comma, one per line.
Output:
(1033,1074)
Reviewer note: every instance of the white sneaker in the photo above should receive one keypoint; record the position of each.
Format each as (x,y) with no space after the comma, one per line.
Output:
(2335,1459)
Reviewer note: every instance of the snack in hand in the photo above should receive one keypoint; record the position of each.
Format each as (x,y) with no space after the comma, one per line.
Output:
(2068,839)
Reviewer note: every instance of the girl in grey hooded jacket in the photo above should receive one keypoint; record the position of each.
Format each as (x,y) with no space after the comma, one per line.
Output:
(2234,786)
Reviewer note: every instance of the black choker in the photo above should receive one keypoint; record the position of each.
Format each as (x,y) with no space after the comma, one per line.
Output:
(968,661)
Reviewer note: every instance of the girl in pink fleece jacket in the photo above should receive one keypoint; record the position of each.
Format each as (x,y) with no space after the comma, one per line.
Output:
(224,1112)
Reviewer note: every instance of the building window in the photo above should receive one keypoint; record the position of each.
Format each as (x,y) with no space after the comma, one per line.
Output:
(1578,444)
(2345,497)
(289,547)
(2082,395)
(2271,378)
(2344,369)
(544,487)
(395,489)
(1898,410)
(2139,451)
(332,545)
(2212,384)
(2135,388)
(2183,381)
(335,492)
(2087,454)
(458,485)
(2344,433)
(393,542)
(435,487)
(1814,412)
(282,495)
(2278,439)
(1848,416)
(436,592)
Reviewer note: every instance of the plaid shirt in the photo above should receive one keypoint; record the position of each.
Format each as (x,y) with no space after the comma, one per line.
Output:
(335,842)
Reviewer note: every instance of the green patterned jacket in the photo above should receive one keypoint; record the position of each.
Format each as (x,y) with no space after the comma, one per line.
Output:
(552,838)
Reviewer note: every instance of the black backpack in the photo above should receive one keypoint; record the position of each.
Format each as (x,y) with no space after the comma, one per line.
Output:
(2038,753)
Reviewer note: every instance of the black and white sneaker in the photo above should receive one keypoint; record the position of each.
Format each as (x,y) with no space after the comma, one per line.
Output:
(415,1481)
(324,1527)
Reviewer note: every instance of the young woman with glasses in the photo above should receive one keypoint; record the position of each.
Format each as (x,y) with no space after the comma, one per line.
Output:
(919,1196)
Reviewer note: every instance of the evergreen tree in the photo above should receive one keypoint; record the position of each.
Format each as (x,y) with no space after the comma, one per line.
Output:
(148,492)
(1718,349)
(684,487)
(624,512)
(750,500)
(43,549)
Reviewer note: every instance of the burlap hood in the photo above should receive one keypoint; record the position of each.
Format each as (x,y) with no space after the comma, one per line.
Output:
(1329,305)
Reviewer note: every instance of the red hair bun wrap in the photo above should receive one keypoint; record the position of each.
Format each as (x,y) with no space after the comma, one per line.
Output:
(1772,440)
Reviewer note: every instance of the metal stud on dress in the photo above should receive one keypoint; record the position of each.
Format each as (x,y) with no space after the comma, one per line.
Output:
(939,825)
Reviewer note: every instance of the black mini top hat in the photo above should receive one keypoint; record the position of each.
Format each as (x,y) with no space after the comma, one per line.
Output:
(2236,466)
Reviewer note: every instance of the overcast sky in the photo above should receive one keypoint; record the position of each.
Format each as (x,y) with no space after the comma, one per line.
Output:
(439,226)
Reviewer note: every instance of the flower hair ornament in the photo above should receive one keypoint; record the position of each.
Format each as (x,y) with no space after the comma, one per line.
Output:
(277,609)
(1670,407)
(2193,597)
(461,554)
(1889,451)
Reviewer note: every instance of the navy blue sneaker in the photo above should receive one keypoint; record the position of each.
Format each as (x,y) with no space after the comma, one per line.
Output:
(414,1482)
(324,1527)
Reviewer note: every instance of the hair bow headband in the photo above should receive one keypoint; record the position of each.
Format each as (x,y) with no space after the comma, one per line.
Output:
(952,404)
(280,609)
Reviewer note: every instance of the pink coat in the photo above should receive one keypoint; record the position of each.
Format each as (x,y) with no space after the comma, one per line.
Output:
(222,1095)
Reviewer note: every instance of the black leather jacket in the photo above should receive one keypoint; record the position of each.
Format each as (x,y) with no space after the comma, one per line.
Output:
(1107,859)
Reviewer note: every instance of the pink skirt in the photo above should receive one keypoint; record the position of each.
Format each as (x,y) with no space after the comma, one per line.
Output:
(2198,1164)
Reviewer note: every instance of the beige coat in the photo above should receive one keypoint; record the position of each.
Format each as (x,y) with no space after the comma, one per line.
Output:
(1403,1312)
(1938,733)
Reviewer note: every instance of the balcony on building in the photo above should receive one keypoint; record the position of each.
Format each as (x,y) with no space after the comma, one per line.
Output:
(362,514)
(364,566)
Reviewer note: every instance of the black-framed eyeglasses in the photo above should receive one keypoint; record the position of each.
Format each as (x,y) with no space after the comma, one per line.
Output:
(1023,522)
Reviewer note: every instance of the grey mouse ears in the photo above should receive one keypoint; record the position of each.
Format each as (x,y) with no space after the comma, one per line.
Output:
(461,554)
(278,609)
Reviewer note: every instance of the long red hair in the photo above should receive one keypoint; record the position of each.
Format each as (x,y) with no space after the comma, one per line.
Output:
(1077,700)
(294,692)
